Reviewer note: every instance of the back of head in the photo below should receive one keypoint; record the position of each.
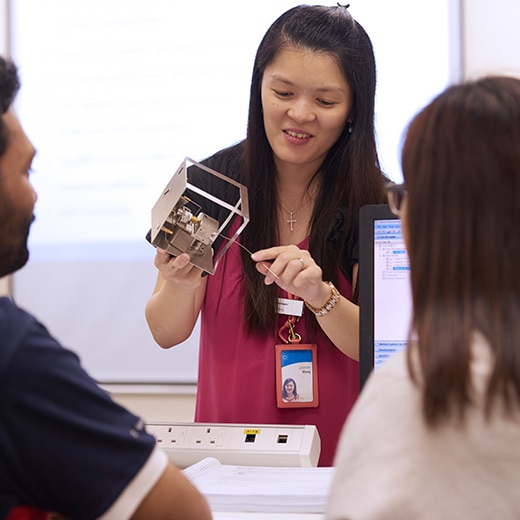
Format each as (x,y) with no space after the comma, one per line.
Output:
(461,164)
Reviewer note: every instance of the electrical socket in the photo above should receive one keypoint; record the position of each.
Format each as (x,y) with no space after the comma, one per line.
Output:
(238,444)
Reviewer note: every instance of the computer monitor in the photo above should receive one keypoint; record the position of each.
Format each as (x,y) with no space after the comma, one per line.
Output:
(385,303)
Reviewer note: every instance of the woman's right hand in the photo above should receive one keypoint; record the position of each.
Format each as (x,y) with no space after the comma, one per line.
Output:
(174,306)
(178,270)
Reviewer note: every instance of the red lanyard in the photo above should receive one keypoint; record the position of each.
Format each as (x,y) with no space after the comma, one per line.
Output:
(292,336)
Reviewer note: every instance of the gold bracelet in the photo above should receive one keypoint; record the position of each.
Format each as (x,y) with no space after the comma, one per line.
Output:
(331,302)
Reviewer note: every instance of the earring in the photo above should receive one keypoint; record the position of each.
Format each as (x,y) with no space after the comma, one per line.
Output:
(349,127)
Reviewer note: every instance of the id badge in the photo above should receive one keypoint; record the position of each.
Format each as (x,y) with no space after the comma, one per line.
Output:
(290,307)
(296,376)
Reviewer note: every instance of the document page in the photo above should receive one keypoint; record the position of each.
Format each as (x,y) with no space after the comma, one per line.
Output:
(262,488)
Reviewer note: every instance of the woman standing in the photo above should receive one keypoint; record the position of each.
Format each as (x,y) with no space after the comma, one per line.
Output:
(309,162)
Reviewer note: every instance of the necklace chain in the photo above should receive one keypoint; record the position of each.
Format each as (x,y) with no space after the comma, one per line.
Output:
(291,220)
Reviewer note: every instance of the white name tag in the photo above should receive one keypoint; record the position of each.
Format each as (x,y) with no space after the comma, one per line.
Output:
(290,307)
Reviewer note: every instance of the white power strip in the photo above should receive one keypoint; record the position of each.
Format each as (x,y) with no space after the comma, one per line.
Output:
(239,444)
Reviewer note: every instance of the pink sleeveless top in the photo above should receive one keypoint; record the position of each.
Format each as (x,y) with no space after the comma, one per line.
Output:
(237,376)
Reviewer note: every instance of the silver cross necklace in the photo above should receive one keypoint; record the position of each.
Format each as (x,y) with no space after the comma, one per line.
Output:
(291,220)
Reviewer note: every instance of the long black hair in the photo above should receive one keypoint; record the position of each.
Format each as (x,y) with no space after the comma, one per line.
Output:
(351,175)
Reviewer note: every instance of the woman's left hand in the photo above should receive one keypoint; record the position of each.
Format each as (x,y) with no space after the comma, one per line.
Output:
(294,270)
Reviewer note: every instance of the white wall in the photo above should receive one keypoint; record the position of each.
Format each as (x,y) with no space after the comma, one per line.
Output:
(490,37)
(164,404)
(490,44)
(490,41)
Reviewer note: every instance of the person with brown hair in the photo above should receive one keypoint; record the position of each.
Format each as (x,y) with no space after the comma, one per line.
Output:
(435,433)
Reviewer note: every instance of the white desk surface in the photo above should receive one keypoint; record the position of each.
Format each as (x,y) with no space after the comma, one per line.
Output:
(267,516)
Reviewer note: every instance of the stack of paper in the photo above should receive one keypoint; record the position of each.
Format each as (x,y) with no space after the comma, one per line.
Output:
(261,488)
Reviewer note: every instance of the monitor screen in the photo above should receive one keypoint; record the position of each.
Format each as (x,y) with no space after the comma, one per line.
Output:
(384,288)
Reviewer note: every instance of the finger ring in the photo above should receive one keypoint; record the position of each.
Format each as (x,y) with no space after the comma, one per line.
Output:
(303,263)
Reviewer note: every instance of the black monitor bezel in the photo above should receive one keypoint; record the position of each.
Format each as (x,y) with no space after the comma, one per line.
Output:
(367,216)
